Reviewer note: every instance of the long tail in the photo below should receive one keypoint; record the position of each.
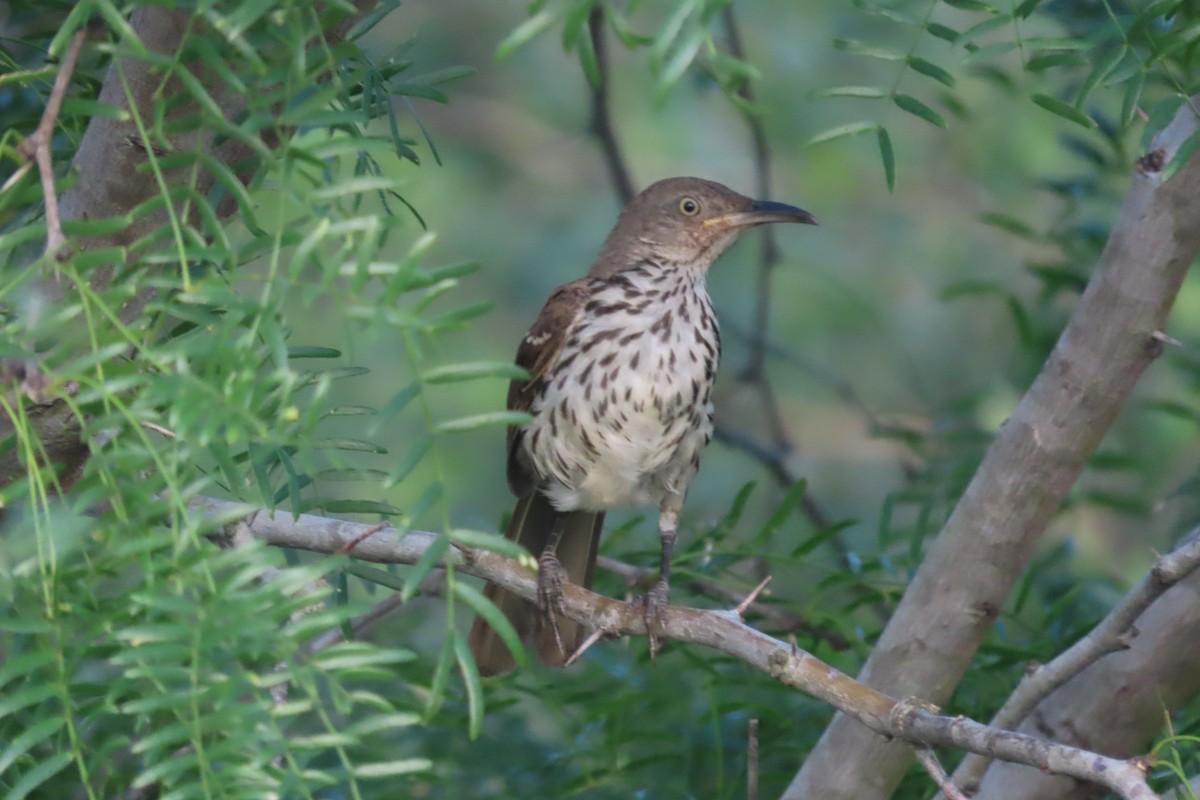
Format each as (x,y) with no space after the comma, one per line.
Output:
(530,525)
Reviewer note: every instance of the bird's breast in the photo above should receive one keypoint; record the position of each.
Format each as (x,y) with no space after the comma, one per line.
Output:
(627,409)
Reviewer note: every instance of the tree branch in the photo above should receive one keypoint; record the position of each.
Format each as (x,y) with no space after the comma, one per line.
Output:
(601,121)
(721,630)
(1035,459)
(1114,633)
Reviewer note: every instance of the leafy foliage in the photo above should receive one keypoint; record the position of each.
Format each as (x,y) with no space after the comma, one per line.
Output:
(138,657)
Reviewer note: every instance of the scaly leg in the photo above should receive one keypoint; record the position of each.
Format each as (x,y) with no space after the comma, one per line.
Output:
(655,600)
(550,579)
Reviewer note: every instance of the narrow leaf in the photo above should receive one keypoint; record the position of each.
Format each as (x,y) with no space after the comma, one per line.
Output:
(1064,110)
(931,70)
(492,418)
(912,105)
(888,157)
(842,131)
(870,92)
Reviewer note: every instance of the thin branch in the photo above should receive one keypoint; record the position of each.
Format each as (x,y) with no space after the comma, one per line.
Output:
(1114,633)
(778,618)
(37,145)
(929,761)
(601,121)
(720,630)
(769,247)
(752,761)
(359,625)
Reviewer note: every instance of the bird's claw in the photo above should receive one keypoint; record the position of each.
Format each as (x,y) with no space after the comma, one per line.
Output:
(654,604)
(550,579)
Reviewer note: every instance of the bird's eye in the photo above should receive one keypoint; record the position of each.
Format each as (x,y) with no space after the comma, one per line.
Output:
(689,206)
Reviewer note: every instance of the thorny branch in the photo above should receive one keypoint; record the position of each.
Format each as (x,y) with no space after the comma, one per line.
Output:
(1113,633)
(721,630)
(784,621)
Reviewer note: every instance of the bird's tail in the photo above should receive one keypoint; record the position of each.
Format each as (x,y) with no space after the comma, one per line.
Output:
(531,523)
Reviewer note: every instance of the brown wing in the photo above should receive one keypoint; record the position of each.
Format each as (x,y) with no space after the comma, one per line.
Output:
(537,355)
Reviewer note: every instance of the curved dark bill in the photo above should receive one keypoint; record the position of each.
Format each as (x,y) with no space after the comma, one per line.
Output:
(770,211)
(762,212)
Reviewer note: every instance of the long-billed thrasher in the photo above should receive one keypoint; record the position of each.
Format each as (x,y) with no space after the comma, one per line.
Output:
(621,365)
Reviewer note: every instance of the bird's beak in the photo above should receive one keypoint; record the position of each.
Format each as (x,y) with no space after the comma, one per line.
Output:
(762,212)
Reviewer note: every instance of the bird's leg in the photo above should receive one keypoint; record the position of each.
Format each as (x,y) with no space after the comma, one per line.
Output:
(655,600)
(550,579)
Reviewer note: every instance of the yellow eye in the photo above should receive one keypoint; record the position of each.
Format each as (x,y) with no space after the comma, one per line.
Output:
(689,206)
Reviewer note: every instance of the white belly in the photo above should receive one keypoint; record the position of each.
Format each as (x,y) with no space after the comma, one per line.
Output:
(628,430)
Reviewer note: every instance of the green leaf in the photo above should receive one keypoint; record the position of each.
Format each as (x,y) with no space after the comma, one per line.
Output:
(376,576)
(791,500)
(528,30)
(351,445)
(820,537)
(863,49)
(357,656)
(1098,74)
(27,739)
(870,92)
(1160,117)
(425,564)
(970,5)
(476,421)
(931,70)
(394,407)
(410,461)
(888,157)
(943,32)
(44,771)
(1045,61)
(350,506)
(1182,155)
(1133,96)
(390,769)
(470,371)
(488,610)
(842,131)
(489,541)
(470,675)
(1064,110)
(312,351)
(1008,223)
(979,29)
(912,105)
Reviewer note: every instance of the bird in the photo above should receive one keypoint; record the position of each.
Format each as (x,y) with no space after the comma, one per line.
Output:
(620,367)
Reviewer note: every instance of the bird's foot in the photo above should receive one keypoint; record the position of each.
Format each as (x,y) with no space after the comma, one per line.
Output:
(654,605)
(550,580)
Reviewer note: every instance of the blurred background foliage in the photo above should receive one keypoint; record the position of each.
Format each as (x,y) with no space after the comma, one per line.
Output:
(966,162)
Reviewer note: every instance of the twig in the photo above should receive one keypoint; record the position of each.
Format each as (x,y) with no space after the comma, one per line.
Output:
(778,618)
(769,248)
(934,768)
(358,625)
(749,599)
(752,762)
(37,145)
(364,536)
(721,630)
(601,122)
(1112,634)
(584,646)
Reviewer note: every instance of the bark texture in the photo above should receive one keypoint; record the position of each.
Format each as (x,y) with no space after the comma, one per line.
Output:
(1036,457)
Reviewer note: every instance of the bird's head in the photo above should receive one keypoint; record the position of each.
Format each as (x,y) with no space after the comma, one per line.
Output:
(687,223)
